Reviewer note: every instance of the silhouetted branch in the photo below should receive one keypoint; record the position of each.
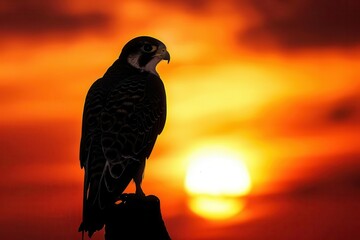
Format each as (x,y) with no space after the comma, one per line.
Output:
(136,218)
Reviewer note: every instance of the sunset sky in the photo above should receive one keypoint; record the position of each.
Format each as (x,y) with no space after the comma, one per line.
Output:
(277,82)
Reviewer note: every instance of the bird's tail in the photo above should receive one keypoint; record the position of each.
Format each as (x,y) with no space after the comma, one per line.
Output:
(92,215)
(93,218)
(86,185)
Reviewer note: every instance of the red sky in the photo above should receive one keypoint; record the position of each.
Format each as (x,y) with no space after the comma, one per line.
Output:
(279,82)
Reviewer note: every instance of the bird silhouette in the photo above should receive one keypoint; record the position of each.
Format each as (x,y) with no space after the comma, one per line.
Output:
(124,113)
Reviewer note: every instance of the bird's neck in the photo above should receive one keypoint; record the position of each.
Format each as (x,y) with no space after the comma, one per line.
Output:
(121,68)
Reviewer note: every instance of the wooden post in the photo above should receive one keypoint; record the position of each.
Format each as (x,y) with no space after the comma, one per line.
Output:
(136,218)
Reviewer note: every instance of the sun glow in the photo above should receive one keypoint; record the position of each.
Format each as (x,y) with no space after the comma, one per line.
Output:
(215,207)
(215,180)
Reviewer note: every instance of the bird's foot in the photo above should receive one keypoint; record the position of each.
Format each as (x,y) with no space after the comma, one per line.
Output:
(140,193)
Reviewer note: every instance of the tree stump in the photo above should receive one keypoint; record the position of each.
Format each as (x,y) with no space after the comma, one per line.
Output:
(136,218)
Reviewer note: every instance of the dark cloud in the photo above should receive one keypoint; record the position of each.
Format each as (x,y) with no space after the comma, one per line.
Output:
(190,5)
(345,111)
(40,17)
(299,24)
(341,175)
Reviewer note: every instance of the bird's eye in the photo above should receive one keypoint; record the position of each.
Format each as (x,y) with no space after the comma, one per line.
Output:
(149,48)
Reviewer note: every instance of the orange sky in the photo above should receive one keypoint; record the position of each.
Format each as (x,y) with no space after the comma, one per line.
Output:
(278,82)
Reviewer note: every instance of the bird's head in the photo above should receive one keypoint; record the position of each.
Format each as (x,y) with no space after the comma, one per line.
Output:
(144,53)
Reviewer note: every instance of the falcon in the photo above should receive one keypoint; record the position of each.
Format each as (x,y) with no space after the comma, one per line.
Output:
(124,113)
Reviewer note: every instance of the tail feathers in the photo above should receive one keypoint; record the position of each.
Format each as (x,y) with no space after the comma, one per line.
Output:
(93,221)
(93,215)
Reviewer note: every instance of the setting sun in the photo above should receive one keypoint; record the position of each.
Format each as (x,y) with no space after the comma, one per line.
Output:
(215,179)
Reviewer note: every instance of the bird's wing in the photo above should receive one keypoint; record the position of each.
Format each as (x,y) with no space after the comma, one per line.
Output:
(94,104)
(129,121)
(89,151)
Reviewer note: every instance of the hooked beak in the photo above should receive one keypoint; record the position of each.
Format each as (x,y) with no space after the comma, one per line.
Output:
(163,54)
(166,55)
